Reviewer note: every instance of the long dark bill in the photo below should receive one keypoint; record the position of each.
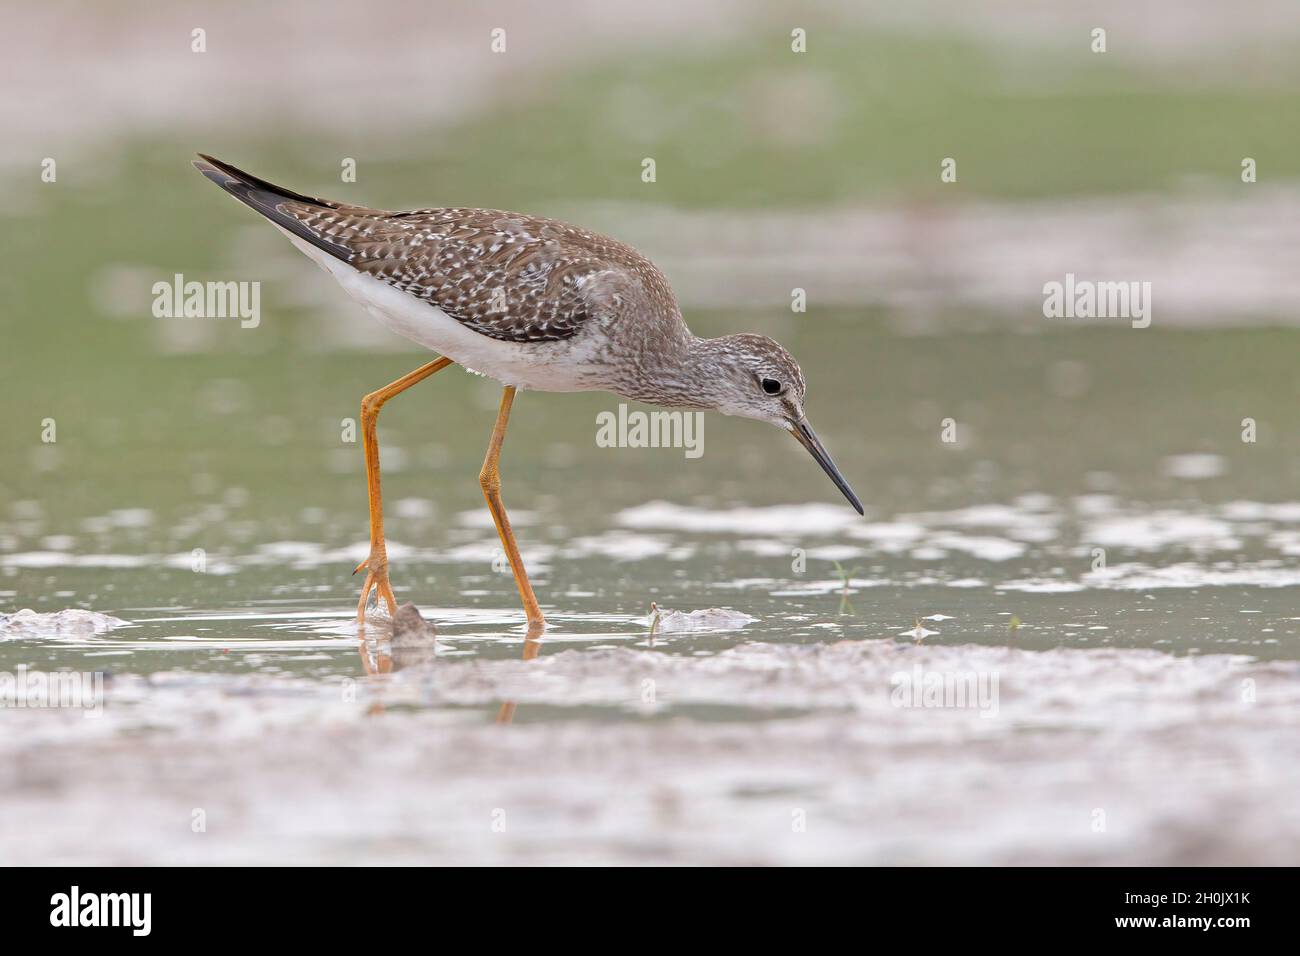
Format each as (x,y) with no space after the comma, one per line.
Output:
(803,432)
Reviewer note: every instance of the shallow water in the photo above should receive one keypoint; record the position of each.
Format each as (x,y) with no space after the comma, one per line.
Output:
(1130,638)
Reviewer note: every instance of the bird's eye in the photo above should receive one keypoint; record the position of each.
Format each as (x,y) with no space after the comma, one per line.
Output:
(771,386)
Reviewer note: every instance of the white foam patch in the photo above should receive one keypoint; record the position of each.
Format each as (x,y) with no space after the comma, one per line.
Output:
(1194,467)
(667,621)
(1042,586)
(72,622)
(1140,577)
(618,546)
(790,520)
(1162,529)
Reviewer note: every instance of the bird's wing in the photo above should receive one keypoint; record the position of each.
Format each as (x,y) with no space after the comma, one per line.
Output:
(508,276)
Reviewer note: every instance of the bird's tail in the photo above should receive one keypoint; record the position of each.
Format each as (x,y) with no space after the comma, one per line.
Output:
(268,199)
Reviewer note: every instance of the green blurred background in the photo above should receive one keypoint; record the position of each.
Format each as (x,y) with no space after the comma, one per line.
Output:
(775,170)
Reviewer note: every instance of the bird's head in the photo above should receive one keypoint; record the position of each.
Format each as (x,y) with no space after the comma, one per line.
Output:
(757,378)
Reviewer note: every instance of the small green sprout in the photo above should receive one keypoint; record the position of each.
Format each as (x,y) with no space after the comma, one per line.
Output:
(845,577)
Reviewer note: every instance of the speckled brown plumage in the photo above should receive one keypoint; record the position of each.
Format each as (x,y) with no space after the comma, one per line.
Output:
(506,275)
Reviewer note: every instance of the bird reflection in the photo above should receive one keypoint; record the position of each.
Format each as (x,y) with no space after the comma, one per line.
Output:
(532,646)
(411,641)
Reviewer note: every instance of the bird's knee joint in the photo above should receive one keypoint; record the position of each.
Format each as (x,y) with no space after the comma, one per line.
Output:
(490,481)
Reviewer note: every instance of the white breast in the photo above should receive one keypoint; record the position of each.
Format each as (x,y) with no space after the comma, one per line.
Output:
(543,366)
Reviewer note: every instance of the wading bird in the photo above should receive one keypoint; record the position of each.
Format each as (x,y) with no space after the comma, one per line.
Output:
(535,304)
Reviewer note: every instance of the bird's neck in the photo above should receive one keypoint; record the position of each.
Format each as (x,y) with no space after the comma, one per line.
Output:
(689,373)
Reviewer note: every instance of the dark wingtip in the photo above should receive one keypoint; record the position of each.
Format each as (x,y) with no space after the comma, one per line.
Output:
(212,169)
(226,175)
(218,164)
(266,197)
(223,174)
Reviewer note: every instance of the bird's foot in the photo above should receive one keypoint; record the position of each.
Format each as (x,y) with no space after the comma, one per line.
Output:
(376,566)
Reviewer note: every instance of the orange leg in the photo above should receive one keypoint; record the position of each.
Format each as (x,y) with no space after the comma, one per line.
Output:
(490,479)
(377,563)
